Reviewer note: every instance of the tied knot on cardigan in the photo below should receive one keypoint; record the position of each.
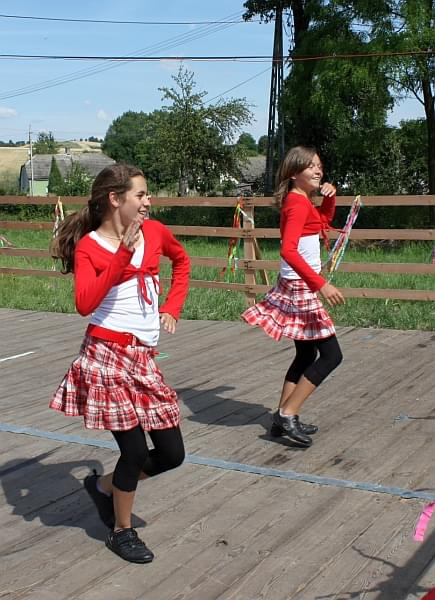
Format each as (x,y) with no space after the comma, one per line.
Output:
(142,273)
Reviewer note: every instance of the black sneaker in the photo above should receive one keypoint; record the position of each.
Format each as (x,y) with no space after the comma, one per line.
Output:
(291,428)
(278,431)
(126,544)
(103,502)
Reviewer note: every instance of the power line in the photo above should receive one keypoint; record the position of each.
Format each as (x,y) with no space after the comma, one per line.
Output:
(245,58)
(238,85)
(167,44)
(113,22)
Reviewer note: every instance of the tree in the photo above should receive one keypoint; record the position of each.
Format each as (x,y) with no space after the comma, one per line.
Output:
(55,179)
(77,182)
(134,138)
(123,135)
(197,138)
(262,144)
(248,144)
(340,105)
(45,144)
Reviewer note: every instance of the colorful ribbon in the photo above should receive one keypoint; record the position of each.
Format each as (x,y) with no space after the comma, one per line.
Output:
(58,216)
(234,243)
(337,252)
(423,522)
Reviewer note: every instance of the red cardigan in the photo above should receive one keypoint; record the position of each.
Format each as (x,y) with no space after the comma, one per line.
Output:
(299,218)
(97,270)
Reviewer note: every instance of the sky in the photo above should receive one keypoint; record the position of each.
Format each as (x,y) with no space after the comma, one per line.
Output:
(89,95)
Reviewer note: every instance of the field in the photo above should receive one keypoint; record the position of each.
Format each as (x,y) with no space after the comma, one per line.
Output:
(49,294)
(11,159)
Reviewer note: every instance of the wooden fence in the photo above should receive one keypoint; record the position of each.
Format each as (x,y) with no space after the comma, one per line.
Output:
(250,264)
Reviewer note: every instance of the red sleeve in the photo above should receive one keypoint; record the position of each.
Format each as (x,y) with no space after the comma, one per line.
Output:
(294,216)
(327,209)
(172,248)
(91,286)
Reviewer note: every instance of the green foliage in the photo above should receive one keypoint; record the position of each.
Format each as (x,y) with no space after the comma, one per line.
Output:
(197,137)
(45,144)
(247,143)
(55,179)
(262,144)
(77,182)
(340,105)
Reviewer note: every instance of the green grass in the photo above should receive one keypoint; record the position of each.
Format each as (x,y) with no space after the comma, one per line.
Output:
(55,294)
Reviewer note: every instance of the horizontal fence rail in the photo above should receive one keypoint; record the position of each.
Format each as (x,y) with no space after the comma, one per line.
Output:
(251,265)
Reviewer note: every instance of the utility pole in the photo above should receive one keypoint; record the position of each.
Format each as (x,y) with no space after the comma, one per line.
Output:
(31,161)
(275,135)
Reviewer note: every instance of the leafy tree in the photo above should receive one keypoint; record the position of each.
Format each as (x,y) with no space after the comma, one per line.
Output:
(123,135)
(45,144)
(55,179)
(248,144)
(77,182)
(134,138)
(340,105)
(262,144)
(197,138)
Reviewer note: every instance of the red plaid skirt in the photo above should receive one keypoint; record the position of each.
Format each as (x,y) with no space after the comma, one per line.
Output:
(292,310)
(116,387)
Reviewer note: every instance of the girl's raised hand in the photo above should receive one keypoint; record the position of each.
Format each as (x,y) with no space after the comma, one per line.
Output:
(331,294)
(132,233)
(327,189)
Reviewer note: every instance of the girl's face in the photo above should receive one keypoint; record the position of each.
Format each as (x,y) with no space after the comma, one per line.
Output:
(135,201)
(309,180)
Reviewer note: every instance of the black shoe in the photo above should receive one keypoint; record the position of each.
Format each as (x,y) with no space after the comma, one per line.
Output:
(290,427)
(126,544)
(278,431)
(103,503)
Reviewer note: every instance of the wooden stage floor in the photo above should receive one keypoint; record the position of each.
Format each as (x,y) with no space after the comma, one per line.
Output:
(246,516)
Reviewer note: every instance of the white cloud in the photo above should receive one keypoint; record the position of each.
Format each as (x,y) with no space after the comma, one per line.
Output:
(102,115)
(7,113)
(88,102)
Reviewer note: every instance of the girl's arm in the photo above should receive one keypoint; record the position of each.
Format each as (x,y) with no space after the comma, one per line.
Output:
(327,208)
(172,248)
(294,217)
(90,287)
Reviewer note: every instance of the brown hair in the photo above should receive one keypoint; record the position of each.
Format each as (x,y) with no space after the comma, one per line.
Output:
(295,161)
(116,178)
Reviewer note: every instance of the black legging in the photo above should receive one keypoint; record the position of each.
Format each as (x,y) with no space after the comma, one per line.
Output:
(168,453)
(305,362)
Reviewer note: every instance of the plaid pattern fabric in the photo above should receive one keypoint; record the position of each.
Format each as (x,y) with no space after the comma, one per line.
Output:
(116,387)
(292,310)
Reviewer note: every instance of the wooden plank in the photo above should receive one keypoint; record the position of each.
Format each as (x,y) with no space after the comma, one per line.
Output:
(244,264)
(219,533)
(405,200)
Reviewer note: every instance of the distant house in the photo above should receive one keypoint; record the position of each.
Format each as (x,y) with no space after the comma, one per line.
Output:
(252,173)
(92,162)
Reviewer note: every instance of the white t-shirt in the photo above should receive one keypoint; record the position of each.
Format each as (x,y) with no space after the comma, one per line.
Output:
(124,308)
(309,249)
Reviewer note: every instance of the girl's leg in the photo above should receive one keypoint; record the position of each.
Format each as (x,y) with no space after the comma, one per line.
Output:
(287,417)
(330,357)
(135,459)
(138,462)
(306,353)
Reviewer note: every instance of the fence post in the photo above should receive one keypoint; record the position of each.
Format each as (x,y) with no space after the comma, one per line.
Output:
(249,250)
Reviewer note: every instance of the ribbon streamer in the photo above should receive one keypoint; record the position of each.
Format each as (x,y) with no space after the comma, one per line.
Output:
(234,243)
(423,522)
(337,252)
